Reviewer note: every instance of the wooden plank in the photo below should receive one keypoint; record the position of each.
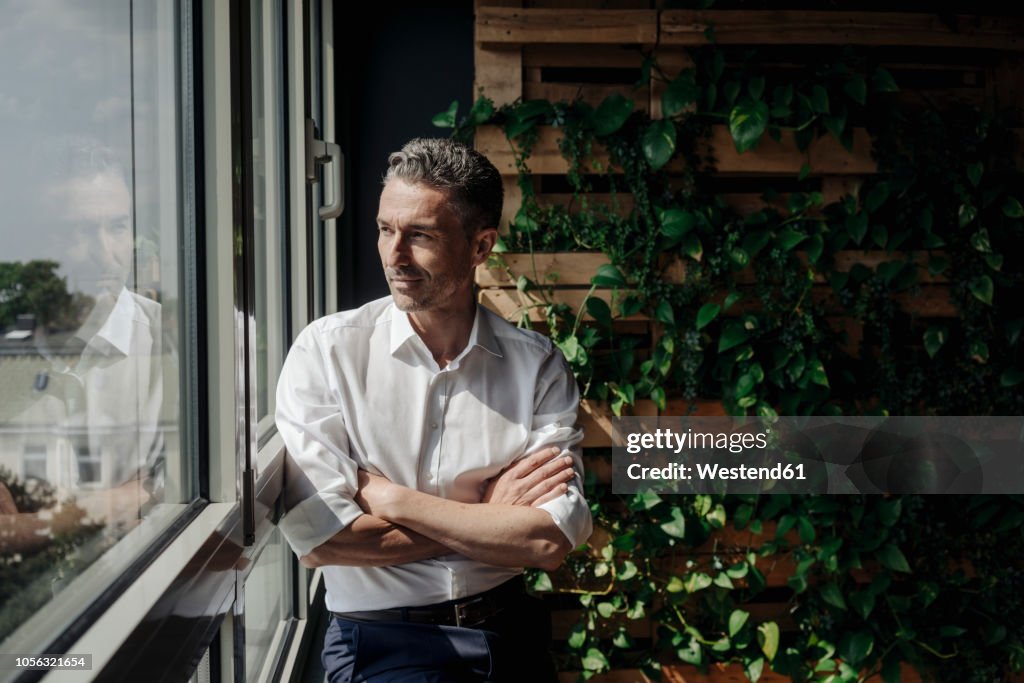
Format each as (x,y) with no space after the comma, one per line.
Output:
(496,25)
(577,268)
(595,419)
(511,304)
(563,268)
(513,201)
(596,201)
(718,673)
(591,93)
(586,56)
(498,74)
(589,4)
(825,155)
(801,27)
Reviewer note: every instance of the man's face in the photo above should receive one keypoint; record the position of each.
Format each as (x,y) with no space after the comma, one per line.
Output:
(427,257)
(102,245)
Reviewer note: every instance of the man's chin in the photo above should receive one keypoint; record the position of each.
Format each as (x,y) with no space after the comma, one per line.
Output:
(407,304)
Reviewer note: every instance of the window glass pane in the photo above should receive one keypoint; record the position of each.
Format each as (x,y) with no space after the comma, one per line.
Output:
(269,208)
(90,220)
(267,606)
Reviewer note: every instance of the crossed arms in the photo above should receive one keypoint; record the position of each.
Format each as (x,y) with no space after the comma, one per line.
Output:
(506,528)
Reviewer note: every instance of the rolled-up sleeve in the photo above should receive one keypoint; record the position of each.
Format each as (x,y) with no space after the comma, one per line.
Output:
(556,403)
(320,477)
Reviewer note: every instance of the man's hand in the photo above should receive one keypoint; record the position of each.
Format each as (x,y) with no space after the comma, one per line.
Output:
(532,480)
(375,493)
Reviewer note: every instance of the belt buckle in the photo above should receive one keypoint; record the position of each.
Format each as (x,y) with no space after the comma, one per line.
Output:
(461,616)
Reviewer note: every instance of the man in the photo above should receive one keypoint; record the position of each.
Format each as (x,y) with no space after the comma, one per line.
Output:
(431,448)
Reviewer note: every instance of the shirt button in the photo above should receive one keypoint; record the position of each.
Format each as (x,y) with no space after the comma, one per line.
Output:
(433,425)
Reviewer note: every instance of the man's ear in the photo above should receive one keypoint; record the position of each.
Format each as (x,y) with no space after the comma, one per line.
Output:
(483,242)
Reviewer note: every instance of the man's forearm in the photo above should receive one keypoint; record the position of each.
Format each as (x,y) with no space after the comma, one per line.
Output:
(373,542)
(503,535)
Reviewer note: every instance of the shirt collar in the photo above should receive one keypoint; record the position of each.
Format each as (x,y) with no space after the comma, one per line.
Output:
(481,335)
(115,333)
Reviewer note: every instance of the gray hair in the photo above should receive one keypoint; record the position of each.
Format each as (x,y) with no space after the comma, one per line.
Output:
(470,180)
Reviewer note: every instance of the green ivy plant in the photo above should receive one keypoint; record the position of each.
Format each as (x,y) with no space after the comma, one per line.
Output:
(876,581)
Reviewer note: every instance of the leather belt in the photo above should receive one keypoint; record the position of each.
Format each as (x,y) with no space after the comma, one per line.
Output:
(467,612)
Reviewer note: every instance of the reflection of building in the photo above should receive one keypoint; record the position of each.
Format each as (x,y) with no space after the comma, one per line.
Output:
(87,411)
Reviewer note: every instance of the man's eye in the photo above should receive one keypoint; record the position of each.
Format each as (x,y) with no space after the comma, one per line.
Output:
(384,229)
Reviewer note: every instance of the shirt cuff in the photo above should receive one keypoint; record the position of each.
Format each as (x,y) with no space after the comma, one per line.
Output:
(571,515)
(316,519)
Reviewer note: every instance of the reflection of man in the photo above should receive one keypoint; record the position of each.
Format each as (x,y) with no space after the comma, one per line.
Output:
(406,423)
(100,388)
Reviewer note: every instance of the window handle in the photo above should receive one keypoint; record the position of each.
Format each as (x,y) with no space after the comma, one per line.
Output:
(322,153)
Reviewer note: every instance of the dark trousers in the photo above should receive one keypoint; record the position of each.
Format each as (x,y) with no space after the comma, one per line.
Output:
(509,647)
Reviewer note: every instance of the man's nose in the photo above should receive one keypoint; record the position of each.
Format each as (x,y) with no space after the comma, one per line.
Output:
(397,250)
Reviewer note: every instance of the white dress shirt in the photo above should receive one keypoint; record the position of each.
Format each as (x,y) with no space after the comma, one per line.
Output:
(360,389)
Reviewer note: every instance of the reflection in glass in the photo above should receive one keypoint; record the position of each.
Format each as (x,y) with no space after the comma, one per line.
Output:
(88,287)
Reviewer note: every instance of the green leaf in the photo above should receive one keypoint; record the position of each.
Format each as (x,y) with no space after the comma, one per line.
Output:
(605,609)
(446,119)
(754,669)
(891,557)
(966,214)
(789,238)
(883,81)
(951,631)
(937,264)
(733,334)
(819,100)
(691,246)
(981,287)
(542,583)
(814,248)
(744,385)
(857,227)
(570,348)
(879,193)
(736,621)
(675,585)
(889,510)
(980,242)
(611,114)
(755,88)
(698,581)
(578,636)
(817,372)
(723,581)
(730,299)
(675,223)
(731,90)
(677,527)
(659,142)
(692,653)
(1012,208)
(599,311)
(855,647)
(706,314)
(1011,378)
(622,640)
(863,603)
(609,276)
(934,338)
(978,351)
(891,672)
(974,172)
(831,594)
(680,93)
(806,530)
(664,313)
(857,89)
(768,638)
(994,261)
(747,123)
(805,170)
(595,660)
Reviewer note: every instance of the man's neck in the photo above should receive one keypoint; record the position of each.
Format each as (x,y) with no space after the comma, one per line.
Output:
(445,331)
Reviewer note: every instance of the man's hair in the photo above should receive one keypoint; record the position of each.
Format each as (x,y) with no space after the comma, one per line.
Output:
(471,181)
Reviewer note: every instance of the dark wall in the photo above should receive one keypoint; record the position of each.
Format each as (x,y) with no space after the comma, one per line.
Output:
(397,66)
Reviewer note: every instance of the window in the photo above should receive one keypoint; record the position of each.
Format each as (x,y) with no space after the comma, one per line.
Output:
(34,461)
(91,314)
